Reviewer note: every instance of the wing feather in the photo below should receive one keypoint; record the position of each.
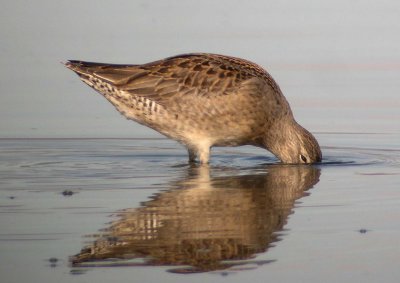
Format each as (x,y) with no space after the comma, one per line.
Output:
(185,75)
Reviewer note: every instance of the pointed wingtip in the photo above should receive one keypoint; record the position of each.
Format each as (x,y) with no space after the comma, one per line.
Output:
(72,64)
(67,63)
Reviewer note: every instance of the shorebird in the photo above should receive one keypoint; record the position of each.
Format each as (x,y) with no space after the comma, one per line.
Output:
(203,100)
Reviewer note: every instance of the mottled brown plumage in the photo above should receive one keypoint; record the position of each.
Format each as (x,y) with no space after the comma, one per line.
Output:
(204,100)
(202,221)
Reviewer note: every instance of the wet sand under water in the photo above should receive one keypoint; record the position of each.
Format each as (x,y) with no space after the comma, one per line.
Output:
(133,210)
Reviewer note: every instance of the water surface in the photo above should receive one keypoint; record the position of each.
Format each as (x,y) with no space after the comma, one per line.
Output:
(133,209)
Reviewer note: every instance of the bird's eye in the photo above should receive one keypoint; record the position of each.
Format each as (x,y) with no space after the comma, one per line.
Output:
(303,158)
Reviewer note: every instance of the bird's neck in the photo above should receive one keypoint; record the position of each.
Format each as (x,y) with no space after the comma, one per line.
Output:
(281,137)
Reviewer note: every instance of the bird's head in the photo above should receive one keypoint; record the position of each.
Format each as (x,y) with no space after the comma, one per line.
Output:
(294,145)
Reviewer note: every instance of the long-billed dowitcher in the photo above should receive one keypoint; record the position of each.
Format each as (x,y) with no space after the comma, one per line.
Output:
(204,100)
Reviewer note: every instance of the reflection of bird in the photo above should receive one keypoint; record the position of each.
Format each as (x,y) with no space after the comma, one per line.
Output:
(204,222)
(205,100)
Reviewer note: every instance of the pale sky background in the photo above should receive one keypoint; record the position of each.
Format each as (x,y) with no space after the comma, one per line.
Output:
(338,62)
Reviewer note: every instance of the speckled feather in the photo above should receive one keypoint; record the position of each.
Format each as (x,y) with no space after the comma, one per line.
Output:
(201,100)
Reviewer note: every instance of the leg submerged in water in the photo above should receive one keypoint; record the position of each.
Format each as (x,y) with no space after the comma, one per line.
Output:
(201,153)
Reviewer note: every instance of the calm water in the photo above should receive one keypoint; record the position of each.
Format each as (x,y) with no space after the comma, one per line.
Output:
(133,210)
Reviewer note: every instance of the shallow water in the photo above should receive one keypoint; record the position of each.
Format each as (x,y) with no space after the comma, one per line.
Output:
(100,210)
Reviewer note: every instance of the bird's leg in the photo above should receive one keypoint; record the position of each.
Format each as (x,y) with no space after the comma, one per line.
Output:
(204,155)
(192,155)
(202,152)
